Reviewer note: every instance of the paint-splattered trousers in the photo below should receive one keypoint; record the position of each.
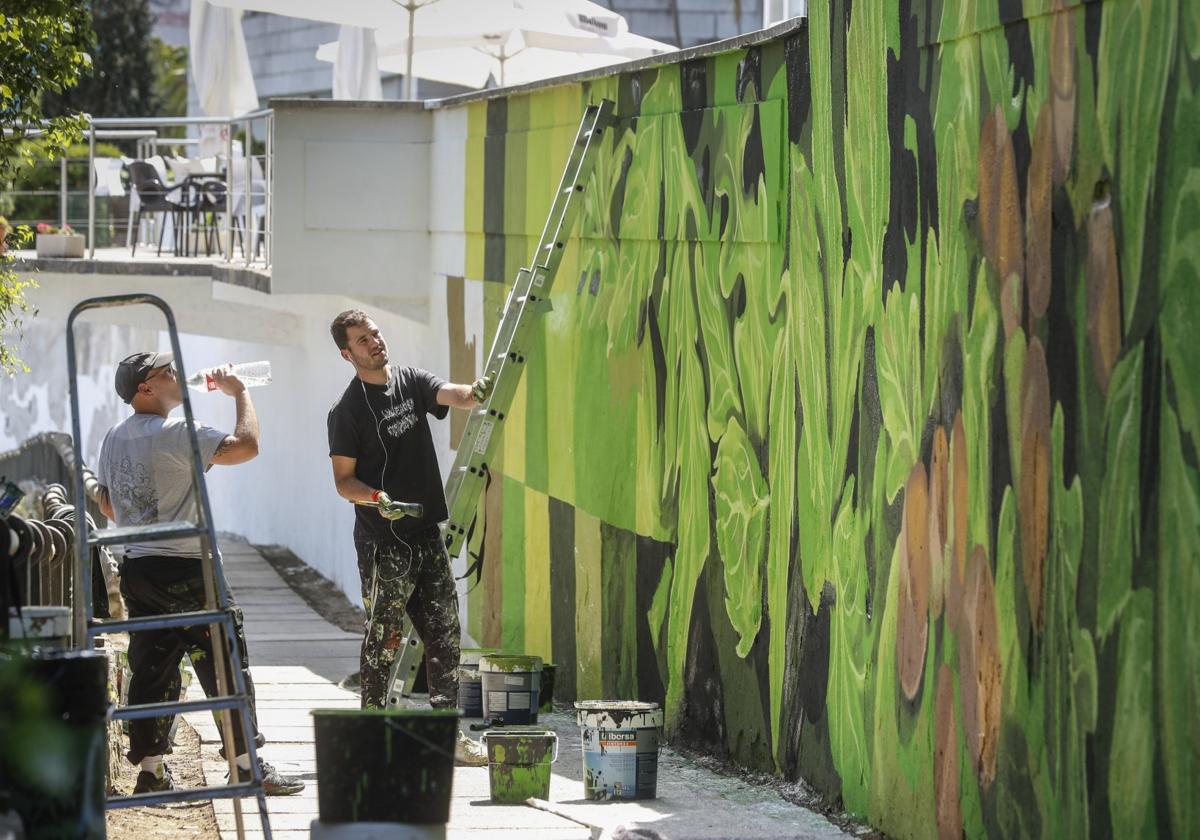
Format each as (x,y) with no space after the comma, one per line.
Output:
(417,564)
(155,586)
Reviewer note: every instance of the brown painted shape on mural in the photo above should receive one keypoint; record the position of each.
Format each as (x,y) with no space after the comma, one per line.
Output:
(1034,501)
(958,513)
(1062,91)
(1103,292)
(945,759)
(1038,217)
(462,351)
(1011,304)
(938,491)
(1000,222)
(979,667)
(913,630)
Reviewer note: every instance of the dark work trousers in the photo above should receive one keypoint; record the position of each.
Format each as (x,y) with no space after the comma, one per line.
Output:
(389,568)
(155,586)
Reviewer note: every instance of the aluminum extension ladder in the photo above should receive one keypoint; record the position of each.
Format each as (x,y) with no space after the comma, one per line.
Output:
(528,298)
(216,614)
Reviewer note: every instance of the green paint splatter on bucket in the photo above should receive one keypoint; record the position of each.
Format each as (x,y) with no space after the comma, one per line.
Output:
(519,764)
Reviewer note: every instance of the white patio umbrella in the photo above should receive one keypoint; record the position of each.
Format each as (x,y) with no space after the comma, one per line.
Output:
(220,63)
(574,26)
(466,41)
(356,71)
(368,14)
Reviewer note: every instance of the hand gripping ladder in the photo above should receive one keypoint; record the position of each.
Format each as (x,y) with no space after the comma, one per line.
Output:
(528,298)
(216,614)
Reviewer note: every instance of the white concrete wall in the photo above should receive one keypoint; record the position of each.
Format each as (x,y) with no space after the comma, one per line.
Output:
(352,186)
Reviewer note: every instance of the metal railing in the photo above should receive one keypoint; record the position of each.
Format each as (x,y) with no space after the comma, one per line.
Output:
(240,187)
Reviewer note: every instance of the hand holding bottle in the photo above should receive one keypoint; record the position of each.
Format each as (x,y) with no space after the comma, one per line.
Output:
(249,374)
(227,381)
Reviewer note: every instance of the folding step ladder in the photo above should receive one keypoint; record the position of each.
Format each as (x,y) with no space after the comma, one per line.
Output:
(528,298)
(216,614)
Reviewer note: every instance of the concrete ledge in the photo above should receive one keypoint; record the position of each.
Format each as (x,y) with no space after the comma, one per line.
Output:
(302,103)
(153,268)
(258,279)
(235,274)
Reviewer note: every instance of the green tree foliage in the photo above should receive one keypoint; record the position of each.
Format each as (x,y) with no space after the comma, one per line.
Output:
(44,48)
(170,77)
(123,81)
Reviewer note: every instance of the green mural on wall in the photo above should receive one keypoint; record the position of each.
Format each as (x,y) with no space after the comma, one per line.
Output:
(864,432)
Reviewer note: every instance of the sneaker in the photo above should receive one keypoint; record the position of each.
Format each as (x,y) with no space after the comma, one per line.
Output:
(274,782)
(147,782)
(469,753)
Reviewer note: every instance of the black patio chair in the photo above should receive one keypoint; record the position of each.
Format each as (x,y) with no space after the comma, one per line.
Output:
(156,197)
(211,202)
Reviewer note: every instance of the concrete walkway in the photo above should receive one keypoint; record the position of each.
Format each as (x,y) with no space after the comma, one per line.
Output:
(297,659)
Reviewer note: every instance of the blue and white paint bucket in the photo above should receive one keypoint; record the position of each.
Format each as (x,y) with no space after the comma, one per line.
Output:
(470,683)
(510,687)
(620,748)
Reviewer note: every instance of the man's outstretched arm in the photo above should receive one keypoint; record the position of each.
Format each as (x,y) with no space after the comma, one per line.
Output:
(465,396)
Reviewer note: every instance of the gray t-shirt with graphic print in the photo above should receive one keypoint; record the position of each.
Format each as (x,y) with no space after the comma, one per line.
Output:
(146,464)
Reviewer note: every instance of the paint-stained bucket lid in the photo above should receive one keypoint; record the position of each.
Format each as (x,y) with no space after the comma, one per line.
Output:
(618,714)
(506,663)
(469,657)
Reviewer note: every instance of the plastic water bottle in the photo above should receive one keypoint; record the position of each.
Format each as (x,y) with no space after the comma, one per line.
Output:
(252,375)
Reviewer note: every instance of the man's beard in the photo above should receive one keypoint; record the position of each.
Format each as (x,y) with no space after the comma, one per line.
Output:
(366,361)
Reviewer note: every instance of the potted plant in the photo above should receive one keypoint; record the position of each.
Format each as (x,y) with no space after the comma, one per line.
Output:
(58,242)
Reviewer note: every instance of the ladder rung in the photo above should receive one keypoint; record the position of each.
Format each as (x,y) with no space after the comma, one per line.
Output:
(147,533)
(158,622)
(179,707)
(184,795)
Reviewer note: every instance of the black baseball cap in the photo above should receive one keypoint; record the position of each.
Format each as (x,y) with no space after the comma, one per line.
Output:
(133,371)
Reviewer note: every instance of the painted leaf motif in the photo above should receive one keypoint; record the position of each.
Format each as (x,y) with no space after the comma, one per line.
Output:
(781,457)
(724,394)
(848,655)
(1131,761)
(814,460)
(1120,504)
(1181,301)
(741,501)
(1177,641)
(1012,655)
(978,375)
(897,360)
(1137,42)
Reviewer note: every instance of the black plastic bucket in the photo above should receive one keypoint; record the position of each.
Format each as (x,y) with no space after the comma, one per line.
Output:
(470,683)
(54,742)
(385,765)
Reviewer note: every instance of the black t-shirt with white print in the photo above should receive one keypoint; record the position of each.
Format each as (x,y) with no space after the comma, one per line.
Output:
(386,429)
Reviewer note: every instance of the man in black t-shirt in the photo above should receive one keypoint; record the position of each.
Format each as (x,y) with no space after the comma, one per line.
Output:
(382,452)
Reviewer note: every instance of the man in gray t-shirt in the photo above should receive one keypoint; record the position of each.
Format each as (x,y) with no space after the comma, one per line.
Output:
(145,473)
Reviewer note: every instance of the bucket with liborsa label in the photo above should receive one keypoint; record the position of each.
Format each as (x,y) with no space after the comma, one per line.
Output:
(620,748)
(510,687)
